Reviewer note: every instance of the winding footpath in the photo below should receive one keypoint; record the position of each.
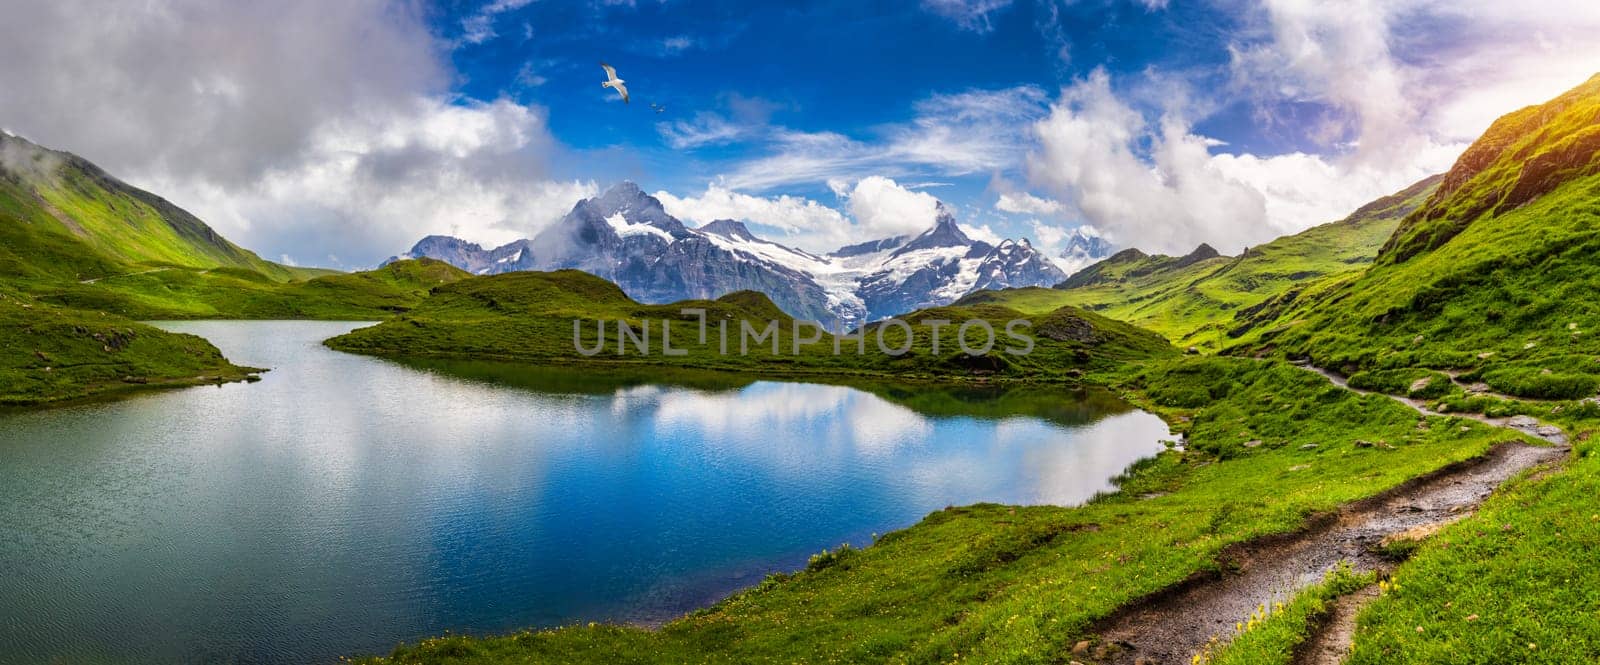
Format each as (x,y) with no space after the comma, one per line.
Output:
(1169,627)
(1523,424)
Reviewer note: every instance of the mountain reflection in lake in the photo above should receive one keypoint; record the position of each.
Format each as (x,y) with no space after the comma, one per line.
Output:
(345,503)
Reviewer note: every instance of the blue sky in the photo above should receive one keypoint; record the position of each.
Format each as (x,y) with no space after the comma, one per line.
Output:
(803,99)
(731,77)
(338,134)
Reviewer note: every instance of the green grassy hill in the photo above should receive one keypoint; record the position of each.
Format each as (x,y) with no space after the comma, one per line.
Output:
(51,354)
(1195,299)
(56,200)
(74,236)
(1494,276)
(529,316)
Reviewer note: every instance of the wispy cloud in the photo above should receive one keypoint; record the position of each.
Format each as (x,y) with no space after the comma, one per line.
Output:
(528,76)
(973,15)
(950,135)
(678,44)
(704,129)
(478,27)
(740,118)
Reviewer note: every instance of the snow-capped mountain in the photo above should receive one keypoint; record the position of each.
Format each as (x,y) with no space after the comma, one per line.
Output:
(943,264)
(627,237)
(469,256)
(1083,250)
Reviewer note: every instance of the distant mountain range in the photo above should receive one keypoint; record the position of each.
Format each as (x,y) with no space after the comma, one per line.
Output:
(627,237)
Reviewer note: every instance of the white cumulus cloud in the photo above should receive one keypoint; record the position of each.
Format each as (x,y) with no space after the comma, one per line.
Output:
(1023,203)
(296,128)
(1155,184)
(800,221)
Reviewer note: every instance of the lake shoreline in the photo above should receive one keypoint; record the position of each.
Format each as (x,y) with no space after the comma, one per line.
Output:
(346,503)
(112,391)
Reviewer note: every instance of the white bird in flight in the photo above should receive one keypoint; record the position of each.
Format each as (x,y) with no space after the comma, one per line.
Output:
(613,82)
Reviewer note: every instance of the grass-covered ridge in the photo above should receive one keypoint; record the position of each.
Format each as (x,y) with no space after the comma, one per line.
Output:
(1493,282)
(530,317)
(1197,300)
(186,293)
(1523,156)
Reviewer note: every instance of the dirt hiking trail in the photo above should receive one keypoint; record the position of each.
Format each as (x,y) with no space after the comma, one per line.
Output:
(1170,626)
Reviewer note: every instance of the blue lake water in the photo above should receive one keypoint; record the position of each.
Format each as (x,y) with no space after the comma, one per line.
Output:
(344,503)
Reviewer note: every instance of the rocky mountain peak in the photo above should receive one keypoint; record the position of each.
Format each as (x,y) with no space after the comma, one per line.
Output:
(1081,246)
(728,228)
(945,233)
(442,242)
(1201,253)
(634,205)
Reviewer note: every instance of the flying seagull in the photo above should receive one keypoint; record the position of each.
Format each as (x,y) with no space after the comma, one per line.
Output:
(657,107)
(613,82)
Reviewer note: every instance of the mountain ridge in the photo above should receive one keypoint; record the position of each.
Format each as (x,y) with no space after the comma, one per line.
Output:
(1197,299)
(625,235)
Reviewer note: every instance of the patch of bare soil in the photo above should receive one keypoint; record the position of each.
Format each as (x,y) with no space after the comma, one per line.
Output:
(1330,645)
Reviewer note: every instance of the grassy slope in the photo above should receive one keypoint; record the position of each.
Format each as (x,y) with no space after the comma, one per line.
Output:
(50,354)
(1495,277)
(1194,303)
(992,583)
(1513,285)
(72,235)
(1514,583)
(1129,286)
(57,192)
(529,317)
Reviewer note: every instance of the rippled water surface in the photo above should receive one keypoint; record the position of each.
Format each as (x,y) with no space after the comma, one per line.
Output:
(344,504)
